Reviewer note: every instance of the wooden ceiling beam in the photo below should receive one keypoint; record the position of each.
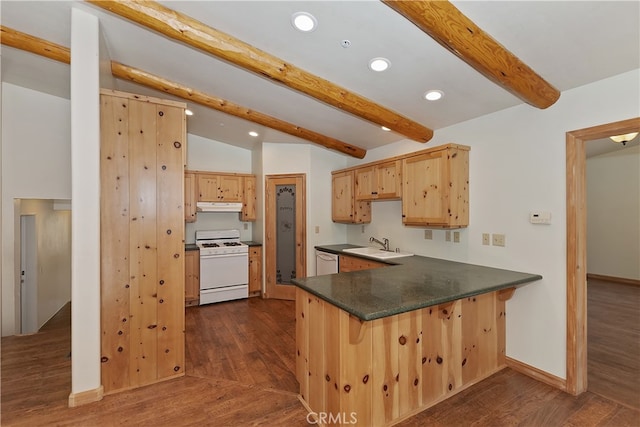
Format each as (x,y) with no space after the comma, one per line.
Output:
(448,26)
(176,89)
(196,34)
(23,41)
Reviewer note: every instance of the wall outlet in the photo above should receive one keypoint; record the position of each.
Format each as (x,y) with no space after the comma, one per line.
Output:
(317,229)
(498,239)
(456,237)
(428,234)
(363,229)
(486,239)
(447,236)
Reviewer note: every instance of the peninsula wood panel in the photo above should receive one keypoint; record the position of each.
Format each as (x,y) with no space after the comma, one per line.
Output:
(399,365)
(142,210)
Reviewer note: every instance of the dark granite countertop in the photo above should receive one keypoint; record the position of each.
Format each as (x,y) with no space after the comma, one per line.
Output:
(191,247)
(409,283)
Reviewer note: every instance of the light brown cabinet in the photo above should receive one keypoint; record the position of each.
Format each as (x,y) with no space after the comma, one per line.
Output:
(192,278)
(344,207)
(190,197)
(435,190)
(248,199)
(255,271)
(141,240)
(350,263)
(220,188)
(381,181)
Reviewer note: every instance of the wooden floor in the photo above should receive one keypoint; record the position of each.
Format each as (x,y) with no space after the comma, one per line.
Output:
(240,371)
(613,353)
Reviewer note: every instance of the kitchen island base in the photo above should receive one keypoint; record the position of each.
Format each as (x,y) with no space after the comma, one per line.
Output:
(379,372)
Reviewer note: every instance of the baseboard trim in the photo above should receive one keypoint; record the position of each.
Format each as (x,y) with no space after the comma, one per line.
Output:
(614,279)
(537,374)
(84,397)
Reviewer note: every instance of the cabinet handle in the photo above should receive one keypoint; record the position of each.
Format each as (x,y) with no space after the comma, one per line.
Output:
(374,192)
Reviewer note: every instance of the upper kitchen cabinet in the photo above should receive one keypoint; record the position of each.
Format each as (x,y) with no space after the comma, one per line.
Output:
(142,296)
(344,207)
(190,197)
(381,181)
(435,190)
(220,188)
(248,212)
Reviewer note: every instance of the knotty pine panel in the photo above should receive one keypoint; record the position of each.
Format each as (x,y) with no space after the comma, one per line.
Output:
(142,170)
(302,343)
(114,264)
(391,368)
(171,128)
(143,244)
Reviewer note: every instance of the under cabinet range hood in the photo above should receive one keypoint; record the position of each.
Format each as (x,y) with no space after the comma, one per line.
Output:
(218,207)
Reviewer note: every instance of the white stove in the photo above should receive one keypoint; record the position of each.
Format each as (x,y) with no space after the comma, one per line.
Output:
(224,266)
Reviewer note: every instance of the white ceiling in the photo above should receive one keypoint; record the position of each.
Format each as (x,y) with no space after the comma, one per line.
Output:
(569,43)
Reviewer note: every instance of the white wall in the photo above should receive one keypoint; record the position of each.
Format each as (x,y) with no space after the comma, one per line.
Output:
(517,164)
(53,240)
(208,155)
(316,163)
(613,214)
(36,164)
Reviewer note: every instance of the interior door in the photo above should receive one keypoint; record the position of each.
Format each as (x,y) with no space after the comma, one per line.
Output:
(285,234)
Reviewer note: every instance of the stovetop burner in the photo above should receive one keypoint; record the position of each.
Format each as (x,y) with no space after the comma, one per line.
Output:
(210,245)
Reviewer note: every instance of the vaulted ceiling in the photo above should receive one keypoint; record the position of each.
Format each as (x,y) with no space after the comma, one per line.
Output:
(564,44)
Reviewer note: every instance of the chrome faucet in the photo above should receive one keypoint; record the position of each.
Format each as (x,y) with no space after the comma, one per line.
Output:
(384,243)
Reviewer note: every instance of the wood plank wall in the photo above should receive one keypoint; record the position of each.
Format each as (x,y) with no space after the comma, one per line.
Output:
(142,240)
(388,369)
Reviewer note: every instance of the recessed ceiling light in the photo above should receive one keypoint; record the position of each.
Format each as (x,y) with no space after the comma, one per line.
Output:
(303,21)
(253,133)
(433,95)
(384,128)
(188,112)
(379,64)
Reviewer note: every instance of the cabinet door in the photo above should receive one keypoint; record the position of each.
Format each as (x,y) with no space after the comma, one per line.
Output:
(192,278)
(425,190)
(231,188)
(388,180)
(255,270)
(190,197)
(342,199)
(366,184)
(249,199)
(208,188)
(350,263)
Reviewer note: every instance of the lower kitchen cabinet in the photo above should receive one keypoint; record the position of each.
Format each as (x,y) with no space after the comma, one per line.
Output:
(350,263)
(191,278)
(255,271)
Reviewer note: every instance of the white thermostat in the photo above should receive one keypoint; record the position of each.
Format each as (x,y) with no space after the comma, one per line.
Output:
(540,217)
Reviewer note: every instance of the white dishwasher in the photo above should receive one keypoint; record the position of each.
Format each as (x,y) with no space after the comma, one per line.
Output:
(326,263)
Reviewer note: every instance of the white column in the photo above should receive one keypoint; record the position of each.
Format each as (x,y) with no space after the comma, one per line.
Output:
(85,217)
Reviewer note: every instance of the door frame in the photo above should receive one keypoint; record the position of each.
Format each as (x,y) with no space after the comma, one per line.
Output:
(28,271)
(576,200)
(273,289)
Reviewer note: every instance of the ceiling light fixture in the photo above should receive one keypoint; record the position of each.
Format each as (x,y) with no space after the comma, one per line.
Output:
(384,128)
(624,138)
(303,21)
(433,95)
(188,112)
(253,133)
(379,64)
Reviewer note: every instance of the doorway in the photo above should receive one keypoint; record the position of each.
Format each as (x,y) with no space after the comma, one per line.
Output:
(577,246)
(285,234)
(28,275)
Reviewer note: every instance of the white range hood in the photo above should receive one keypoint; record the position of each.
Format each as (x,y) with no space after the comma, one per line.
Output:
(218,207)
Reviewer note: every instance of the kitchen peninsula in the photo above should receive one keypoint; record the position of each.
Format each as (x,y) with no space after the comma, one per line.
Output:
(381,345)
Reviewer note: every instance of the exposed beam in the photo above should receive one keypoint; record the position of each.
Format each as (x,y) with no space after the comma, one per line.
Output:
(158,83)
(23,41)
(194,33)
(448,26)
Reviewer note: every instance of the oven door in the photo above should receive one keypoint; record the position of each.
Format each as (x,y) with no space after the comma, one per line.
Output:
(218,271)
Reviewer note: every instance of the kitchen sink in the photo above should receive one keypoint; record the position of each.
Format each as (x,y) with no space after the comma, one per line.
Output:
(377,253)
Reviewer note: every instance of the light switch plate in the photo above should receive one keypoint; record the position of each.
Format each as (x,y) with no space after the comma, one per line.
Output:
(456,237)
(498,239)
(447,236)
(428,234)
(486,239)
